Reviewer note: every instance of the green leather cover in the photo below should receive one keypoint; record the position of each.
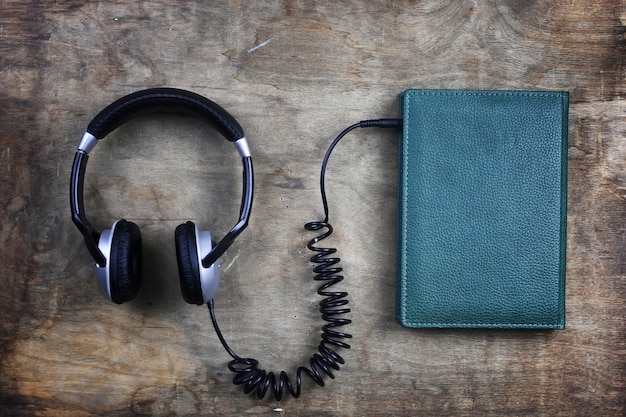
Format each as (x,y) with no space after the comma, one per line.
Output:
(482,209)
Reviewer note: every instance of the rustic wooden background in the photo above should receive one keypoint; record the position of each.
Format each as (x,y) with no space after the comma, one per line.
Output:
(294,73)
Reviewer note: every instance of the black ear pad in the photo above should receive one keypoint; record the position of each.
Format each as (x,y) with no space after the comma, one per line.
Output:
(188,263)
(125,262)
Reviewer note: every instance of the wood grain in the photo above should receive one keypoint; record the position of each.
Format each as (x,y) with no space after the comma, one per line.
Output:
(294,73)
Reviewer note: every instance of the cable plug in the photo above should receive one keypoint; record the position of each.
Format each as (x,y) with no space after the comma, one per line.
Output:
(384,123)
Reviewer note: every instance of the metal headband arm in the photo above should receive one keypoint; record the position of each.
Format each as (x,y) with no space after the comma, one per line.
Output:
(244,216)
(79,218)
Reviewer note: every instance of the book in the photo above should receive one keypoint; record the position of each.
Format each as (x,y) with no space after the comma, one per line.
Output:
(482,209)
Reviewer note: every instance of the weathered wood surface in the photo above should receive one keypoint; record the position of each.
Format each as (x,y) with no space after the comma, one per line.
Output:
(294,73)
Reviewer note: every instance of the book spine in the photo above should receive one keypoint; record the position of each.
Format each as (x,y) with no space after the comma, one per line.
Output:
(401,235)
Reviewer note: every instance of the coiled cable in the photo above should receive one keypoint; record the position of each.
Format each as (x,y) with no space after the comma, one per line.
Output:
(332,307)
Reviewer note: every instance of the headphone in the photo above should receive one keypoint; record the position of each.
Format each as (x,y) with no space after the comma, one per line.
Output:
(117,251)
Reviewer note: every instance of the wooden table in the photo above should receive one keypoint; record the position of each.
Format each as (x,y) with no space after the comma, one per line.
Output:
(294,73)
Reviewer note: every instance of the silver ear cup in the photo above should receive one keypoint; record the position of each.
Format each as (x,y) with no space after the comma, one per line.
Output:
(209,277)
(103,273)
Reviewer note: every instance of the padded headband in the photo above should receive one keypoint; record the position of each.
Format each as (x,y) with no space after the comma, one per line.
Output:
(169,100)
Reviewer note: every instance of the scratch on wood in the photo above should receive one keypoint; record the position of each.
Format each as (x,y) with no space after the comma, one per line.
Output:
(262,44)
(231,263)
(8,66)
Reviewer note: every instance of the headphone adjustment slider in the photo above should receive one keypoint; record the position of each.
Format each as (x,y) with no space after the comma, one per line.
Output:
(243,148)
(87,143)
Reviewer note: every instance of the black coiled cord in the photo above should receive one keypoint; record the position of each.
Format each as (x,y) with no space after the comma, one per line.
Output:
(333,305)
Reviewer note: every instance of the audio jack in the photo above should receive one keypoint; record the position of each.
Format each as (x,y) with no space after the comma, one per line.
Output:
(332,307)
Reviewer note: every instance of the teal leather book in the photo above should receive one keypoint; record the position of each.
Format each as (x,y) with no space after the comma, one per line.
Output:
(482,209)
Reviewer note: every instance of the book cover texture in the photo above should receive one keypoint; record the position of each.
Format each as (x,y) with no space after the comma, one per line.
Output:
(482,209)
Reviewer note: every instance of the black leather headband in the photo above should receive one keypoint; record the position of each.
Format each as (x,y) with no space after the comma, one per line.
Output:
(169,100)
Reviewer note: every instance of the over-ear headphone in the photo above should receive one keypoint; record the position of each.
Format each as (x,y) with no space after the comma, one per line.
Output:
(117,251)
